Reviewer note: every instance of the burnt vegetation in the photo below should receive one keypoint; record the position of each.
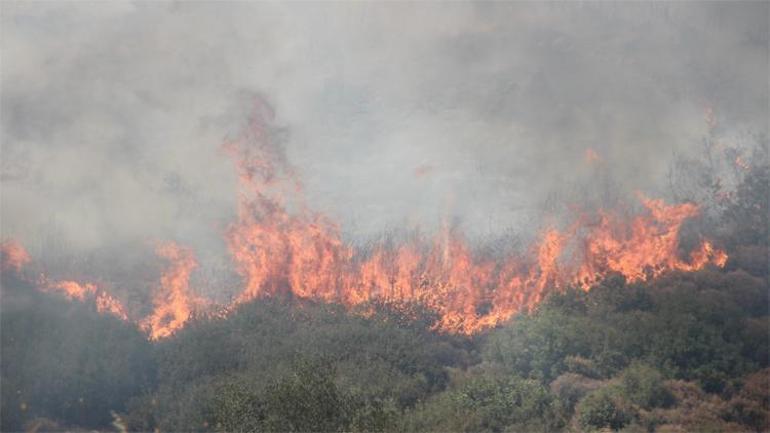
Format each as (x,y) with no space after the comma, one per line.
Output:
(684,352)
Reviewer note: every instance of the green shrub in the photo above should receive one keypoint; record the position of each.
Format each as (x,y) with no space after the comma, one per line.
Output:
(603,409)
(643,386)
(489,404)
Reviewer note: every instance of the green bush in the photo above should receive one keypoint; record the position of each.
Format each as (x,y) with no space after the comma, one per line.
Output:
(643,386)
(569,388)
(603,409)
(304,399)
(489,404)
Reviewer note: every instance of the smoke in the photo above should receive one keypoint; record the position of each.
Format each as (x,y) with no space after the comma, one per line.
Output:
(395,115)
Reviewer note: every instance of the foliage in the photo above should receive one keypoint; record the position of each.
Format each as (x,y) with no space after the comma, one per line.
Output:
(66,362)
(304,399)
(367,367)
(703,326)
(643,386)
(603,408)
(489,404)
(688,351)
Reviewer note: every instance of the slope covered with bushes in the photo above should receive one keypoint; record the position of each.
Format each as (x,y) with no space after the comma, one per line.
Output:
(684,352)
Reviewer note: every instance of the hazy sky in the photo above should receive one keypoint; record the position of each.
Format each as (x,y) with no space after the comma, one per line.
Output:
(397,114)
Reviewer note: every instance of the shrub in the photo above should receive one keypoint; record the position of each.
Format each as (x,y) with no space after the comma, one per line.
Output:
(643,385)
(603,409)
(487,404)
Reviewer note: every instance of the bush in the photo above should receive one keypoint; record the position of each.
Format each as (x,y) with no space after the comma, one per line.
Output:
(643,386)
(603,409)
(486,404)
(304,399)
(65,362)
(570,388)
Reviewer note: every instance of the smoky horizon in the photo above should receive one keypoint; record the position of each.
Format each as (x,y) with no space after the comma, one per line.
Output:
(487,117)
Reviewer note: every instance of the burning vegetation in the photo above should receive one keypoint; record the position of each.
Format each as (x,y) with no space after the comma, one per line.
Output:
(621,317)
(478,217)
(281,247)
(173,303)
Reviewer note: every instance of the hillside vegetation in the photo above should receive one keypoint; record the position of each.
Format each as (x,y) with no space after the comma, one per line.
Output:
(684,352)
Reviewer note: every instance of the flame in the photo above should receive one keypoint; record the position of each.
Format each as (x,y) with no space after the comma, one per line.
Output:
(174,304)
(281,247)
(13,256)
(643,248)
(105,303)
(280,250)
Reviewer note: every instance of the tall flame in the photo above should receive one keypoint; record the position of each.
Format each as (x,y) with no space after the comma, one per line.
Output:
(281,247)
(174,304)
(643,248)
(301,252)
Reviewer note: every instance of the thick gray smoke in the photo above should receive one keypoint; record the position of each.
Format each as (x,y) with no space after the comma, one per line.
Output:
(396,114)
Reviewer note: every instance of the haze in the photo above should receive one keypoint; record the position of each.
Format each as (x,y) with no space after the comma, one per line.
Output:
(396,115)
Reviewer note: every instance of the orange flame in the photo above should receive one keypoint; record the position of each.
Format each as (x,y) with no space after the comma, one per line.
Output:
(105,303)
(174,304)
(280,247)
(301,252)
(643,248)
(13,256)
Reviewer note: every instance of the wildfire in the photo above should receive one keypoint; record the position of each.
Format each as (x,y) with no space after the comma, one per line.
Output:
(280,246)
(105,303)
(173,302)
(643,248)
(13,256)
(301,252)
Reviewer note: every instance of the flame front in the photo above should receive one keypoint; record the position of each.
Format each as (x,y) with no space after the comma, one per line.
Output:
(15,257)
(174,304)
(281,247)
(643,248)
(300,252)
